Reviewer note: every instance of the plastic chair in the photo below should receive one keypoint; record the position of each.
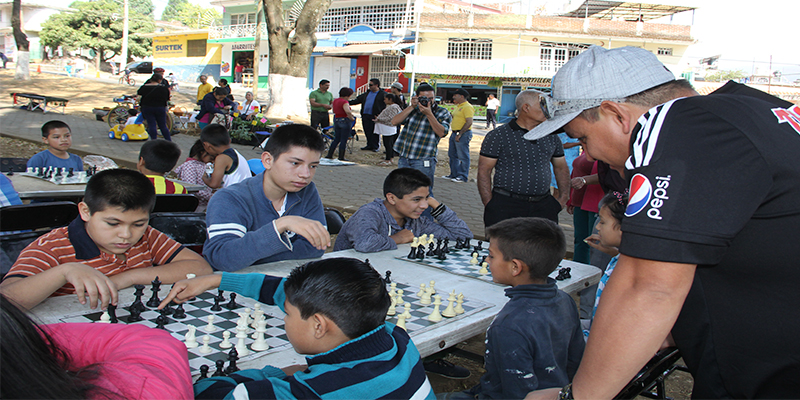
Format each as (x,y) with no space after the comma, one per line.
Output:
(652,376)
(175,203)
(11,164)
(36,219)
(256,166)
(334,219)
(186,228)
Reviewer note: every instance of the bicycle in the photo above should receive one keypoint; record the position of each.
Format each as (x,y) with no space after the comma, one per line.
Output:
(127,78)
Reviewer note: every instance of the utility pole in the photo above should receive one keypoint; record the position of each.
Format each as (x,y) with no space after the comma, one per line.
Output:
(124,37)
(257,45)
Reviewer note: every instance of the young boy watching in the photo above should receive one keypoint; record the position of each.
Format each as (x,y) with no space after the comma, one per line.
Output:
(58,138)
(229,165)
(535,341)
(156,159)
(109,247)
(397,219)
(275,215)
(335,314)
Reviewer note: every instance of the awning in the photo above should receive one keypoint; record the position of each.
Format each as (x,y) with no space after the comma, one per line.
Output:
(375,49)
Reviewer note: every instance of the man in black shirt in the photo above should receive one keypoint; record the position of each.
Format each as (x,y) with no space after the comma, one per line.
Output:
(707,253)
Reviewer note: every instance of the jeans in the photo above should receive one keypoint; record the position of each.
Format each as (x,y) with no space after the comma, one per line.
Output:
(341,128)
(156,116)
(490,118)
(419,164)
(459,155)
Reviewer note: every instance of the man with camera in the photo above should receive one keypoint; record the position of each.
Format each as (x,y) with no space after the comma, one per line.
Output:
(424,124)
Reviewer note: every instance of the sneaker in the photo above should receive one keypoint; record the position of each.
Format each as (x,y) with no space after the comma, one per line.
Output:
(366,148)
(458,180)
(446,369)
(448,177)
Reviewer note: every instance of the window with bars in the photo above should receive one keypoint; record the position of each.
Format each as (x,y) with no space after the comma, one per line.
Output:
(196,48)
(380,67)
(469,49)
(243,19)
(553,56)
(665,51)
(378,17)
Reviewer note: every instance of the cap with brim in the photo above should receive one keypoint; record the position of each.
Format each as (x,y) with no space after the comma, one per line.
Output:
(461,92)
(397,85)
(596,75)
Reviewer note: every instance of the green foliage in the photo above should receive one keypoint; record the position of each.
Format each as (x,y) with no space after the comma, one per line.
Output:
(725,75)
(173,9)
(191,15)
(141,7)
(98,26)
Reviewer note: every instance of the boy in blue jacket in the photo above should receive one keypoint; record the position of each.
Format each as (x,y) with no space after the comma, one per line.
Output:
(275,215)
(335,313)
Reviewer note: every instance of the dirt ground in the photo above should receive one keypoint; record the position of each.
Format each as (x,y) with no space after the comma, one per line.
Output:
(83,95)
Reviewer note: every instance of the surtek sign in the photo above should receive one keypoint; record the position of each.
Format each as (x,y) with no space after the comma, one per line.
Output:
(169,47)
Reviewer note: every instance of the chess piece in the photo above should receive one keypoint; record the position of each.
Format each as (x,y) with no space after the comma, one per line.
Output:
(220,368)
(233,355)
(257,314)
(480,245)
(436,316)
(58,171)
(420,252)
(432,288)
(112,314)
(180,312)
(216,306)
(399,296)
(392,310)
(221,295)
(210,327)
(226,340)
(161,320)
(255,326)
(450,312)
(388,278)
(423,240)
(189,338)
(425,299)
(401,321)
(484,269)
(203,373)
(260,344)
(413,253)
(71,173)
(431,249)
(474,260)
(392,289)
(205,349)
(441,256)
(241,347)
(407,311)
(105,318)
(459,301)
(232,305)
(154,300)
(422,290)
(446,246)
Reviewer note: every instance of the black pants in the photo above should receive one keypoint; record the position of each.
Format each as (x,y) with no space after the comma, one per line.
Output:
(388,143)
(320,119)
(502,207)
(490,118)
(369,131)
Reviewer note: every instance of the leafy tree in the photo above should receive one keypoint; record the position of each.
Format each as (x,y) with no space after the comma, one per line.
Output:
(173,10)
(141,7)
(195,16)
(725,75)
(98,26)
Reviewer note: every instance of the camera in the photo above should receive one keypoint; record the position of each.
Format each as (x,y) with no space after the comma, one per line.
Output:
(423,100)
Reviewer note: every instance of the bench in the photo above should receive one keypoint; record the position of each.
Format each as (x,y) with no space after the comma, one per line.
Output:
(33,101)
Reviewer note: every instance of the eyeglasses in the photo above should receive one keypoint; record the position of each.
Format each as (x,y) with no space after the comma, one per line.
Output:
(371,84)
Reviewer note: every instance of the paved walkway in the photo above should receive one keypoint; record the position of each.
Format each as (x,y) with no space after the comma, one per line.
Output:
(344,188)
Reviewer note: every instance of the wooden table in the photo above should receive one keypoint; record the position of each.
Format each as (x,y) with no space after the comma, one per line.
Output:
(35,188)
(445,334)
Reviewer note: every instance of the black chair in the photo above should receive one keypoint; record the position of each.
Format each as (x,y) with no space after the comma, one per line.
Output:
(334,219)
(649,382)
(10,164)
(176,203)
(186,228)
(36,220)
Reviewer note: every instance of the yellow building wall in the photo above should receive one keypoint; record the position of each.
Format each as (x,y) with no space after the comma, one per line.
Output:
(169,52)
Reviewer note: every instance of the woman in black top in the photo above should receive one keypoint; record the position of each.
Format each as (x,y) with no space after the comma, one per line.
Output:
(153,104)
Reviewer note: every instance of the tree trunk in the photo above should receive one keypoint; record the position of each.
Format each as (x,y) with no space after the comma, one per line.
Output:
(23,56)
(289,57)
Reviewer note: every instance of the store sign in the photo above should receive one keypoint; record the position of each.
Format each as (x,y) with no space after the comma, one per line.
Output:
(169,47)
(243,46)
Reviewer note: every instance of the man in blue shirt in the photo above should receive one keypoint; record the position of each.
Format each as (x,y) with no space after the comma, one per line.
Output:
(371,105)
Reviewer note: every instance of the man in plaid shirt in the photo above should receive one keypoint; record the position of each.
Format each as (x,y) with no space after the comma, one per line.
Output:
(424,124)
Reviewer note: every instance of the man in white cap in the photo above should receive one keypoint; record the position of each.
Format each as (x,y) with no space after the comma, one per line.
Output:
(707,255)
(397,90)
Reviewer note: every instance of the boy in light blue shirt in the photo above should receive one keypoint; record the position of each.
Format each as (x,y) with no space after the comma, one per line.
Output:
(58,138)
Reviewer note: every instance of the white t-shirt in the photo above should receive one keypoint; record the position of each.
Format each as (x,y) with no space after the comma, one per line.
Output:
(248,108)
(493,104)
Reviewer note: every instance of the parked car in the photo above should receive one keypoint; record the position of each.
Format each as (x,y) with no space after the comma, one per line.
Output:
(141,67)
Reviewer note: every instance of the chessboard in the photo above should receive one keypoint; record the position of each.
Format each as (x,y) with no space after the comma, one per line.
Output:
(197,312)
(60,176)
(457,261)
(419,323)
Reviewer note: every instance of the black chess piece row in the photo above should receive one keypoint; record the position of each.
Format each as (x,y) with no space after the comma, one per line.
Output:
(564,273)
(233,355)
(463,244)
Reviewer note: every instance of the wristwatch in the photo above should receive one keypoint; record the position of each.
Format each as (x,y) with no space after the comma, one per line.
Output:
(566,393)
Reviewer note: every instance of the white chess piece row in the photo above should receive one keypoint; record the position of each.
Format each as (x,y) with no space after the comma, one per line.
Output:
(454,307)
(423,240)
(258,321)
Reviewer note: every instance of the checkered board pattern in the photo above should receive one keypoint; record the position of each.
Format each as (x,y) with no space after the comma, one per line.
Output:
(61,180)
(197,312)
(457,261)
(418,322)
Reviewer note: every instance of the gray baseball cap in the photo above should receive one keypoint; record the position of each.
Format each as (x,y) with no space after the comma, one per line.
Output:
(596,75)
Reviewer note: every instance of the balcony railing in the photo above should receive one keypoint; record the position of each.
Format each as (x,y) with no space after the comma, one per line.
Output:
(235,31)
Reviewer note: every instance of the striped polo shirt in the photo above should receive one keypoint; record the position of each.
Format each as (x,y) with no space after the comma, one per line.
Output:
(73,244)
(166,186)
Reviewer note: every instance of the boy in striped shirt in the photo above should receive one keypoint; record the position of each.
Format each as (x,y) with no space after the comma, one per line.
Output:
(156,159)
(109,247)
(335,315)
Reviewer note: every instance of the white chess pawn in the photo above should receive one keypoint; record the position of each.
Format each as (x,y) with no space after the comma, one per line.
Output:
(459,308)
(423,240)
(29,170)
(189,339)
(432,288)
(431,238)
(425,299)
(436,316)
(474,260)
(399,296)
(392,289)
(484,268)
(449,312)
(401,321)
(206,348)
(392,307)
(105,318)
(226,340)
(422,290)
(260,344)
(407,311)
(415,242)
(210,327)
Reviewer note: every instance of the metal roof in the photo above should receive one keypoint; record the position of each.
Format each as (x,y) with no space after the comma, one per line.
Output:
(629,11)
